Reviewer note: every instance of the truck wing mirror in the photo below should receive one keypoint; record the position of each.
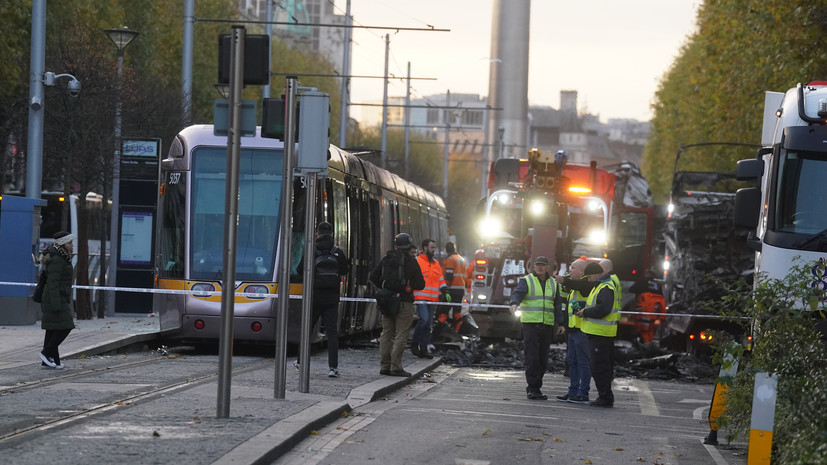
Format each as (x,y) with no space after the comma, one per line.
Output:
(747,206)
(747,170)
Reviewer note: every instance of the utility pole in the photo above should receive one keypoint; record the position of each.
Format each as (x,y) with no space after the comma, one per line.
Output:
(445,151)
(408,125)
(344,114)
(385,106)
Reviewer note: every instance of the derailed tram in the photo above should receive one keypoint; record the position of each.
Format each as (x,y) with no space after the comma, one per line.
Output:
(366,205)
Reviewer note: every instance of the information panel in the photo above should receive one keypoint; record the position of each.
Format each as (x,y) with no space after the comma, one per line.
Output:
(136,238)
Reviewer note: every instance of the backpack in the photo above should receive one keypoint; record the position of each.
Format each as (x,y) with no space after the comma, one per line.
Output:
(393,273)
(327,274)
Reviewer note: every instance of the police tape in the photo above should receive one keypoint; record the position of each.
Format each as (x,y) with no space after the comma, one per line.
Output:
(251,295)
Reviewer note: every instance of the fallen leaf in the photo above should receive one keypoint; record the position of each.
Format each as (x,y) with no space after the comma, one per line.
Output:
(529,438)
(486,432)
(155,434)
(345,414)
(640,459)
(506,398)
(618,448)
(558,440)
(677,454)
(341,429)
(587,461)
(312,431)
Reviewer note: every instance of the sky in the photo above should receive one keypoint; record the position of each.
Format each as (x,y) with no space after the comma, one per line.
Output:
(612,52)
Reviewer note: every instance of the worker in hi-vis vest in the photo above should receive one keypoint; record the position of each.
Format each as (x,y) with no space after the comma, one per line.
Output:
(600,319)
(538,297)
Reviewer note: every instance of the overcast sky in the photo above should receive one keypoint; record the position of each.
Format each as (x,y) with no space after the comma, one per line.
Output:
(612,52)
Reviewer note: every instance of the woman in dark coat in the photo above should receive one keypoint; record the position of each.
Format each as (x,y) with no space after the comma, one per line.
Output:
(57,297)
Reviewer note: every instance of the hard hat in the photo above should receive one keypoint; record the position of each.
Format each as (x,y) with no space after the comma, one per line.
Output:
(403,241)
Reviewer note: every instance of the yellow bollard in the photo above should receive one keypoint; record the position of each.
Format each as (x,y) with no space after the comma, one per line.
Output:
(763,416)
(728,370)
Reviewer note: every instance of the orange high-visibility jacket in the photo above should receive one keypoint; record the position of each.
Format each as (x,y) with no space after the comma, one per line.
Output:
(455,272)
(434,281)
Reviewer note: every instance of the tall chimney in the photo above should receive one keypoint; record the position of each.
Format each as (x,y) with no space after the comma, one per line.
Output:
(508,79)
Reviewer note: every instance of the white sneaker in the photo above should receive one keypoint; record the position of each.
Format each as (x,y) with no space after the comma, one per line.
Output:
(431,348)
(333,373)
(60,366)
(296,365)
(48,361)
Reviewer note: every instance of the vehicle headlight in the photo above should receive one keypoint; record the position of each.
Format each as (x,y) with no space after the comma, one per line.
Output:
(256,289)
(491,226)
(597,236)
(202,289)
(537,207)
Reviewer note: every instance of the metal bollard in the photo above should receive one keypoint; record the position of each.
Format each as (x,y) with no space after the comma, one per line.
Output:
(763,416)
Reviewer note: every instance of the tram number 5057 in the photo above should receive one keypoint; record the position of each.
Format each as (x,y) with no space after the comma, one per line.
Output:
(174,178)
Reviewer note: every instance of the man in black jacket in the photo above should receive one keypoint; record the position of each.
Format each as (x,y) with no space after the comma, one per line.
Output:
(326,298)
(395,329)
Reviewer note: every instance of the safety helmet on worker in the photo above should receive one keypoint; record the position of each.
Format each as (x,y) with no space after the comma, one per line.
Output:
(403,241)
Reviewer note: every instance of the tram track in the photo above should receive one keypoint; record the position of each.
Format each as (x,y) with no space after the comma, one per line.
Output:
(110,405)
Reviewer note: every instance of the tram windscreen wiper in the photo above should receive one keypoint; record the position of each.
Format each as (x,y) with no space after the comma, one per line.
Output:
(812,239)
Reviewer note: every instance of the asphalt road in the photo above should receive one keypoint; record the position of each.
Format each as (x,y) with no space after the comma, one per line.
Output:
(481,416)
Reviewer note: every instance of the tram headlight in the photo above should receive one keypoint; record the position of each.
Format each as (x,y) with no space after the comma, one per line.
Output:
(202,289)
(256,291)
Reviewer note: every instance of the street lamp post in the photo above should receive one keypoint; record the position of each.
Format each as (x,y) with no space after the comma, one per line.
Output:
(121,38)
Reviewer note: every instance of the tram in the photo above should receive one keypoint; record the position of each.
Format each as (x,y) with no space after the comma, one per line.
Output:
(366,205)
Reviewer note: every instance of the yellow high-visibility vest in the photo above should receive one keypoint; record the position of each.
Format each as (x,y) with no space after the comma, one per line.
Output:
(606,326)
(538,304)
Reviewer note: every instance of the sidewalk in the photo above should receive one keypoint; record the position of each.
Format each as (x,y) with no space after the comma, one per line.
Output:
(259,430)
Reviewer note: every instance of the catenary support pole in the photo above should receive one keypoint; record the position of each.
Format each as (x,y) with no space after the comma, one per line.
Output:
(307,294)
(408,125)
(344,113)
(284,247)
(186,63)
(384,147)
(225,349)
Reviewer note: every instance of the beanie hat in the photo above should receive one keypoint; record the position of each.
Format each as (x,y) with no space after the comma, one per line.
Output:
(593,268)
(63,238)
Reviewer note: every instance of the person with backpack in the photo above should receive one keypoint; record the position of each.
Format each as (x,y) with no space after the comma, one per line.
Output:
(56,303)
(399,272)
(330,265)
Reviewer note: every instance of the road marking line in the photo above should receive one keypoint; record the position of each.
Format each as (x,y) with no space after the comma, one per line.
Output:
(698,413)
(647,400)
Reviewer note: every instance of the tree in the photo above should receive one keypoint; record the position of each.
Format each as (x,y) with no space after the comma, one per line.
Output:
(714,91)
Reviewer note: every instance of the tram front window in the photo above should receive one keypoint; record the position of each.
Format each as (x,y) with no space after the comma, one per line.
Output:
(259,204)
(801,195)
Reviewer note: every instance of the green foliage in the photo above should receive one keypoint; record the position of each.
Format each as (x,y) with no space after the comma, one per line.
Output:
(714,91)
(787,344)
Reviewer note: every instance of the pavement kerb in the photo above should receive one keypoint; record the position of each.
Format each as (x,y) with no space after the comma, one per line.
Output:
(112,344)
(275,441)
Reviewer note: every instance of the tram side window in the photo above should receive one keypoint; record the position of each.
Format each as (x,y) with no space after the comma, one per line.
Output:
(172,224)
(339,209)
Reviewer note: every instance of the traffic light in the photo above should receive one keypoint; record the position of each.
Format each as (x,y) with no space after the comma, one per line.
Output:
(256,59)
(272,119)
